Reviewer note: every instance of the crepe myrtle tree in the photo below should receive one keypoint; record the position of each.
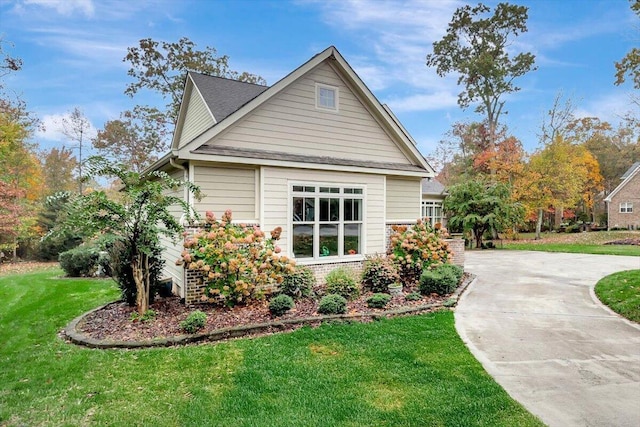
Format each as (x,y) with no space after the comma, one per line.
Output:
(137,216)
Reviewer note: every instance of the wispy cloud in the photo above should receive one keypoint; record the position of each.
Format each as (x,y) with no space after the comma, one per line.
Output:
(64,7)
(53,129)
(609,107)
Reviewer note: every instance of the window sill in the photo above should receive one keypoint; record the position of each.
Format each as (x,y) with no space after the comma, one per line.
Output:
(329,260)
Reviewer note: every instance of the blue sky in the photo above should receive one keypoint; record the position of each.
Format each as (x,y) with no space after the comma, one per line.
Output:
(73,49)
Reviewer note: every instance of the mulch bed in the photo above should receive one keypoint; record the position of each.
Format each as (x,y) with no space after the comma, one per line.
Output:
(635,242)
(113,322)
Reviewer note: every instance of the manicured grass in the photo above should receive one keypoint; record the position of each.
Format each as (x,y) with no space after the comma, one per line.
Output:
(621,292)
(411,371)
(587,243)
(576,248)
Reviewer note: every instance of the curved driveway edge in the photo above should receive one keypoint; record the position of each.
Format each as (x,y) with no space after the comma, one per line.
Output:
(532,321)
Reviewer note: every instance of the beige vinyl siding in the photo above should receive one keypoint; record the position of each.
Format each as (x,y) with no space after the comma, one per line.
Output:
(291,123)
(227,188)
(277,204)
(171,250)
(197,119)
(403,199)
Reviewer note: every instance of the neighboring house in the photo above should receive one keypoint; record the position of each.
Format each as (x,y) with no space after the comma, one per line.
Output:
(433,194)
(623,204)
(316,154)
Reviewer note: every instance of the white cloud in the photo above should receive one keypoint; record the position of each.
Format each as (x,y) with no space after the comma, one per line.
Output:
(66,7)
(423,102)
(53,130)
(609,107)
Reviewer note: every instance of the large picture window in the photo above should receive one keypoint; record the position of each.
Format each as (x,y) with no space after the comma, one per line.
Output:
(327,221)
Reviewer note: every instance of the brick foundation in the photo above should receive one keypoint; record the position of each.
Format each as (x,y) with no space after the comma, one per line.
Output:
(321,270)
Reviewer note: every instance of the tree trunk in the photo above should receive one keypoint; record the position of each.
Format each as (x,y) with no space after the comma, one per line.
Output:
(478,233)
(539,224)
(142,294)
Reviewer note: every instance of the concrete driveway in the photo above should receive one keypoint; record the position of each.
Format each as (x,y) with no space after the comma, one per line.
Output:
(533,321)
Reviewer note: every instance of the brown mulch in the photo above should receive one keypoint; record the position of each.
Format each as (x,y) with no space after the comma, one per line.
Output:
(114,321)
(635,242)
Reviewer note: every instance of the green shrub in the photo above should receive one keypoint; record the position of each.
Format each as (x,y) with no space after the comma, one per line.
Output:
(341,281)
(413,296)
(148,316)
(437,280)
(378,300)
(455,269)
(280,305)
(379,273)
(194,322)
(332,304)
(80,262)
(299,283)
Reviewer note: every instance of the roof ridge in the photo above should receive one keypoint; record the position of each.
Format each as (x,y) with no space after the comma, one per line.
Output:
(226,78)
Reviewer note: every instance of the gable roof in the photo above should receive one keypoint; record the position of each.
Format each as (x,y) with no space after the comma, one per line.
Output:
(628,176)
(433,186)
(229,116)
(630,170)
(224,96)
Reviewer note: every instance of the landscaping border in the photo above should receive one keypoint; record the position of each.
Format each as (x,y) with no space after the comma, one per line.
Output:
(71,333)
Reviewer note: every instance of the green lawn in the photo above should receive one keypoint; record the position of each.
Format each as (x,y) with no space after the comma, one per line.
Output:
(411,371)
(621,292)
(587,243)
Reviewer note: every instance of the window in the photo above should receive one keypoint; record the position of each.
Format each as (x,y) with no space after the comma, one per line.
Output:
(626,207)
(326,97)
(433,211)
(327,221)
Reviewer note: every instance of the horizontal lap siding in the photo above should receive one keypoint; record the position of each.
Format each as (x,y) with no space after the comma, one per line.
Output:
(227,188)
(171,250)
(277,204)
(403,199)
(197,120)
(290,122)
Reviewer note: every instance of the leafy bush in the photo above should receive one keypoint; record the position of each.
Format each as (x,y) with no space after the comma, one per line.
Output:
(194,322)
(341,281)
(80,262)
(332,304)
(413,296)
(378,300)
(237,262)
(441,281)
(119,264)
(455,269)
(416,248)
(280,305)
(148,316)
(379,273)
(299,283)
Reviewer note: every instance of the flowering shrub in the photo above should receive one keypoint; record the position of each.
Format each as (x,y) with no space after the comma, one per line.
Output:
(237,261)
(379,273)
(417,247)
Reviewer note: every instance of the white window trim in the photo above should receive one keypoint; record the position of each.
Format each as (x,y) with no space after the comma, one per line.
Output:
(317,259)
(626,207)
(337,98)
(433,204)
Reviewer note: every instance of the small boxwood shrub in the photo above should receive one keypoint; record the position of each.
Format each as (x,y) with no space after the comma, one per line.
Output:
(438,280)
(332,304)
(298,284)
(378,300)
(280,305)
(413,296)
(379,273)
(455,269)
(80,262)
(194,322)
(341,281)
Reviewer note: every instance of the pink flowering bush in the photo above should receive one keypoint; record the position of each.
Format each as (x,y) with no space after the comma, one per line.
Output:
(237,261)
(416,248)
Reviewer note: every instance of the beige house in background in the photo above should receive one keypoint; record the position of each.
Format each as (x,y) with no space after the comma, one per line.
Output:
(623,204)
(316,154)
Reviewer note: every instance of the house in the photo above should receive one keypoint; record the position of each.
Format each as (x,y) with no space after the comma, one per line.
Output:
(433,195)
(316,154)
(623,203)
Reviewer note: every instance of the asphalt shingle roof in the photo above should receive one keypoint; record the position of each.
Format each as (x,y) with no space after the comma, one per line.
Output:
(432,187)
(225,96)
(630,170)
